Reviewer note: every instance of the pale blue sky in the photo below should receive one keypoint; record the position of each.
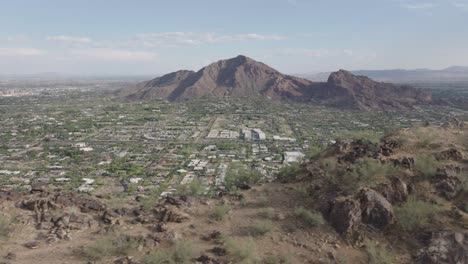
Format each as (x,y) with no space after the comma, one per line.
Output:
(294,36)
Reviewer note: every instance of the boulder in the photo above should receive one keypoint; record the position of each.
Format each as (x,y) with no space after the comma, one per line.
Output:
(204,259)
(345,215)
(450,154)
(387,145)
(166,213)
(448,187)
(356,149)
(110,217)
(376,211)
(446,247)
(405,162)
(395,191)
(39,187)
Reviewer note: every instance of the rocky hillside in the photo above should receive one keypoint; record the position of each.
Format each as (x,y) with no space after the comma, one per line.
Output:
(245,77)
(400,200)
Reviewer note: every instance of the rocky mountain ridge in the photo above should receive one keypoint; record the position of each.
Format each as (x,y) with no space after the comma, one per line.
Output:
(244,77)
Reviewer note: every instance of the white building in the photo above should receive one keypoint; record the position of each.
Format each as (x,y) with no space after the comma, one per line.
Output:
(292,156)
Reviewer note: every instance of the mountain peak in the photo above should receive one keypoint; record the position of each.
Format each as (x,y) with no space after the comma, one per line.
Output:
(243,77)
(342,76)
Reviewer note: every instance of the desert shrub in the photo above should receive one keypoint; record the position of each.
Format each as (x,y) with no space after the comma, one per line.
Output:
(415,214)
(268,213)
(5,227)
(427,165)
(262,201)
(113,245)
(370,135)
(239,175)
(261,228)
(193,188)
(424,137)
(369,171)
(240,252)
(314,151)
(220,212)
(180,253)
(277,259)
(289,172)
(378,255)
(365,172)
(309,218)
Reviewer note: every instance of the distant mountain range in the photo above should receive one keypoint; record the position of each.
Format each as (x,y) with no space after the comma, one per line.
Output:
(453,73)
(244,77)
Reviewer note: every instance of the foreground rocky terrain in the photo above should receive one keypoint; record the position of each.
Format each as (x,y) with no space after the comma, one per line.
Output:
(244,77)
(403,199)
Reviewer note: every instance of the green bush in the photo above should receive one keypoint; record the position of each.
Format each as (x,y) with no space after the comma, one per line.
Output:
(378,255)
(268,213)
(260,228)
(366,172)
(180,253)
(277,259)
(192,189)
(238,175)
(115,245)
(220,212)
(314,151)
(240,252)
(427,165)
(308,217)
(415,215)
(5,227)
(289,172)
(424,137)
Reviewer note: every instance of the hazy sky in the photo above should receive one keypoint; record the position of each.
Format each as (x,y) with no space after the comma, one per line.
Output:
(294,36)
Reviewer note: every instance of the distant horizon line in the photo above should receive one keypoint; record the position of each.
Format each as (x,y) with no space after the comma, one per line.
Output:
(63,74)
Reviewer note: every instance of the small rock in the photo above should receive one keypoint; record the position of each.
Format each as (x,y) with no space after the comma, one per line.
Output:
(32,244)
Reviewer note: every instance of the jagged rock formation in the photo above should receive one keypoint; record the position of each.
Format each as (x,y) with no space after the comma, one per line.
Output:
(245,77)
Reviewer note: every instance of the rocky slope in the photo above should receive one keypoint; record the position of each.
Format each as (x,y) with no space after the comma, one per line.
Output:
(400,200)
(245,77)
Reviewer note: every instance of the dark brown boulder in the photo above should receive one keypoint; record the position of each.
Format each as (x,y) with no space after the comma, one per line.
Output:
(395,191)
(387,146)
(376,210)
(448,187)
(405,162)
(345,215)
(450,154)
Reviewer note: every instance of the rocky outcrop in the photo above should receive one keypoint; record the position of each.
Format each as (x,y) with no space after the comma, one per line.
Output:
(449,154)
(351,151)
(345,215)
(368,207)
(405,162)
(395,191)
(376,211)
(448,187)
(446,247)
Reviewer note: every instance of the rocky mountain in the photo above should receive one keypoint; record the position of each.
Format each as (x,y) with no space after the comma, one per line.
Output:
(245,77)
(236,77)
(453,73)
(345,89)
